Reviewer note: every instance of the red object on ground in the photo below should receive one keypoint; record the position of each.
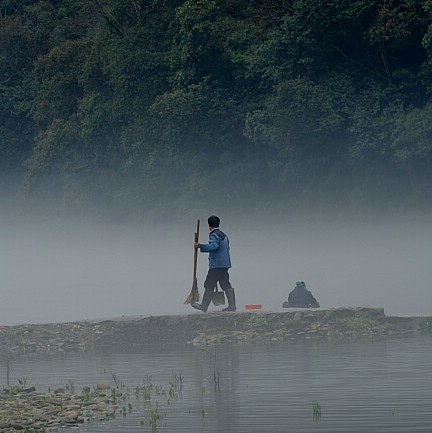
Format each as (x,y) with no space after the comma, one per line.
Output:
(253,306)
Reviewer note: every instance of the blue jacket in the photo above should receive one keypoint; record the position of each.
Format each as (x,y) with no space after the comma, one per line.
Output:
(218,249)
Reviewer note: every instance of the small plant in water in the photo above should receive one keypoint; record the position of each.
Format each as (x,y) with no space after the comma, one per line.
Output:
(154,417)
(116,380)
(256,322)
(360,324)
(113,396)
(70,386)
(8,370)
(12,390)
(316,410)
(147,389)
(85,394)
(216,379)
(176,385)
(23,381)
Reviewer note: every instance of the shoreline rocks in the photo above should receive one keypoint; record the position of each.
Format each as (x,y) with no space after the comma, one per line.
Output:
(30,411)
(210,328)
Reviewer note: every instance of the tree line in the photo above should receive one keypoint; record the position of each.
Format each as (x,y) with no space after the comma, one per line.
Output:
(158,104)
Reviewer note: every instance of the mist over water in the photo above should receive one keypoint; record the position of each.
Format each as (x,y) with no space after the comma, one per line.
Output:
(75,270)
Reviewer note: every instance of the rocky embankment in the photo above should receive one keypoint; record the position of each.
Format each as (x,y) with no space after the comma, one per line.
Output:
(26,410)
(210,328)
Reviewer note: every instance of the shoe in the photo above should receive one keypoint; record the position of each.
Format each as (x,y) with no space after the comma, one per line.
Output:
(231,300)
(199,307)
(205,301)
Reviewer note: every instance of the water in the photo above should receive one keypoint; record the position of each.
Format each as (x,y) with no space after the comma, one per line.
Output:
(362,386)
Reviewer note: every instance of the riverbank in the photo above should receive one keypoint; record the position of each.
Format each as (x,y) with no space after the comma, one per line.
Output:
(210,328)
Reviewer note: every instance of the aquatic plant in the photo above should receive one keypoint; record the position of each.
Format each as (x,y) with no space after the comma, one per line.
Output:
(13,389)
(86,395)
(256,322)
(126,394)
(116,380)
(316,410)
(113,396)
(146,390)
(155,415)
(70,386)
(8,365)
(216,372)
(216,379)
(147,379)
(176,385)
(360,324)
(177,381)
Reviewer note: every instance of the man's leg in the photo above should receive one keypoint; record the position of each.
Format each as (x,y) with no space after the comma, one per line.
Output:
(225,284)
(209,286)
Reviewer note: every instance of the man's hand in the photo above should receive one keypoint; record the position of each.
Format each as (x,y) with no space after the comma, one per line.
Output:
(196,245)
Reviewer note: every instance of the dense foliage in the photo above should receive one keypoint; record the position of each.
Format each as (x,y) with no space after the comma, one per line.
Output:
(156,103)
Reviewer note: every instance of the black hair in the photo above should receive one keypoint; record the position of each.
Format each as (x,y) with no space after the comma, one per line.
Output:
(213,221)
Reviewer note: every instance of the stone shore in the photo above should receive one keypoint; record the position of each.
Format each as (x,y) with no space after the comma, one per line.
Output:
(25,409)
(210,328)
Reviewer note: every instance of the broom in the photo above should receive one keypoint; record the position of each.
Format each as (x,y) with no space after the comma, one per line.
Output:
(194,294)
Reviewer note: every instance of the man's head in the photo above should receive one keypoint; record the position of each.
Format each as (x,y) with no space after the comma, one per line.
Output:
(213,222)
(301,284)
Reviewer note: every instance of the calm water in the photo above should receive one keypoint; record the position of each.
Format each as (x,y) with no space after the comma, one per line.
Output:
(368,386)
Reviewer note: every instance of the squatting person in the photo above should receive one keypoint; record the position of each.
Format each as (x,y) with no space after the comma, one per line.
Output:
(301,297)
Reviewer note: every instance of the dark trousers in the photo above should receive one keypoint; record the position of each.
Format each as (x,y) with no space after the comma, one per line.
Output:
(217,275)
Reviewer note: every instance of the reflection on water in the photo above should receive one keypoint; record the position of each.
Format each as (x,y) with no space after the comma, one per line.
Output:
(363,386)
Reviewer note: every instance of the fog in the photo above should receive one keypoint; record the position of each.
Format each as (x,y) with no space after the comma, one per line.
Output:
(55,271)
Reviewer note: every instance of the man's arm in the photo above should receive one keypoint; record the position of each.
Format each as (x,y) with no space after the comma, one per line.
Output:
(213,244)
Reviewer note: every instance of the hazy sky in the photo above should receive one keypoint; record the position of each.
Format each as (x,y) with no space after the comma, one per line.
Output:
(54,271)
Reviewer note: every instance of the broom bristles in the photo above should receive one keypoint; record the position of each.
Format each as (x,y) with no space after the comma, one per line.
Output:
(193,295)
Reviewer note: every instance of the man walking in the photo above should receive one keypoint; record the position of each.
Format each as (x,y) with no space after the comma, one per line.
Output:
(219,263)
